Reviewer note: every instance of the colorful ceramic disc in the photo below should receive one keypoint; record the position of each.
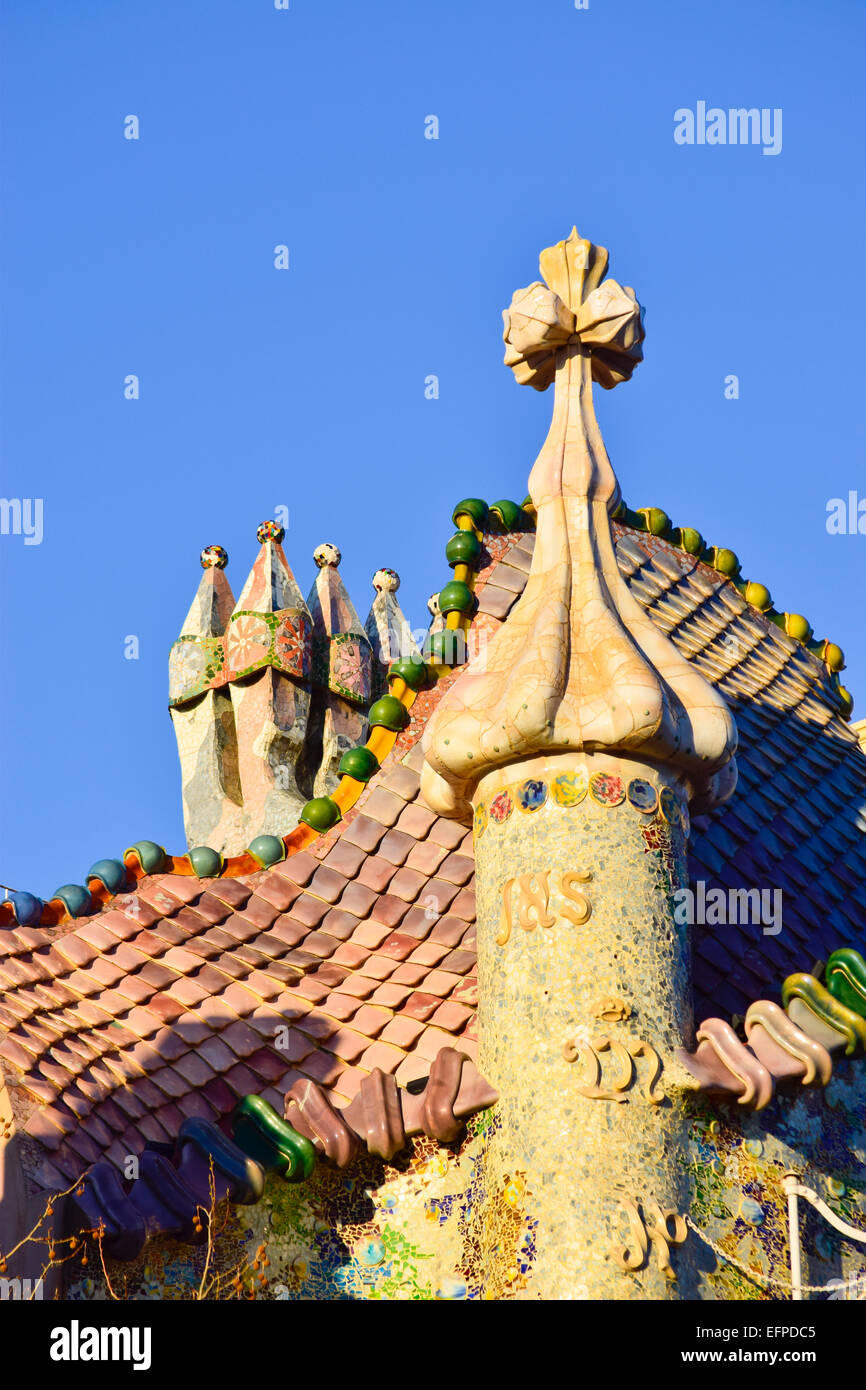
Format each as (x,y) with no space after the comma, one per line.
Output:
(501,807)
(480,819)
(606,789)
(531,794)
(569,788)
(670,807)
(642,795)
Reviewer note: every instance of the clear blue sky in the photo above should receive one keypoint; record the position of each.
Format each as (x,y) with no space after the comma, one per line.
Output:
(306,387)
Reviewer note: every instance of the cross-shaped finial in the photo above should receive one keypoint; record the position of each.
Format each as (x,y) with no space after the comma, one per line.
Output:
(576,328)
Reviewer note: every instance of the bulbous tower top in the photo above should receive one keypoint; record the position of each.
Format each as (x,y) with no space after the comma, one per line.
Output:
(578,667)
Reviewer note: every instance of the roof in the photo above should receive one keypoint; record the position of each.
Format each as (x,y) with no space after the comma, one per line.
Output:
(165,1004)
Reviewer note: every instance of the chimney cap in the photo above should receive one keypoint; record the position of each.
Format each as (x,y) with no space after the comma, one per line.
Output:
(387,581)
(327,554)
(214,557)
(269,531)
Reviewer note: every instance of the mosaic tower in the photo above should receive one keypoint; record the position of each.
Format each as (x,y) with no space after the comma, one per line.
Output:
(580,724)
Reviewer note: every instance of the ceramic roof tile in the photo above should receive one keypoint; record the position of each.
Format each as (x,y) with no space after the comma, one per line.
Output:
(94,935)
(409,973)
(418,922)
(299,868)
(451,1016)
(495,601)
(134,907)
(376,873)
(344,858)
(357,899)
(234,892)
(320,944)
(407,884)
(192,1029)
(350,954)
(464,905)
(308,911)
(339,923)
(347,1044)
(368,935)
(403,782)
(340,1006)
(457,868)
(364,832)
(321,1067)
(390,995)
(382,1055)
(397,946)
(426,856)
(447,833)
(326,883)
(311,989)
(448,931)
(262,914)
(416,820)
(280,892)
(396,846)
(378,967)
(384,806)
(359,986)
(459,962)
(402,1031)
(76,950)
(421,1005)
(212,909)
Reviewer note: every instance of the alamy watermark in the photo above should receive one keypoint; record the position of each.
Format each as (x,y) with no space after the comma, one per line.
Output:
(720,907)
(20,1290)
(846,516)
(739,125)
(22,516)
(77,1343)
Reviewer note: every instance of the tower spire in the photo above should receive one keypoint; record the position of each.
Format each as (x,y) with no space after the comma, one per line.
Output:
(201,713)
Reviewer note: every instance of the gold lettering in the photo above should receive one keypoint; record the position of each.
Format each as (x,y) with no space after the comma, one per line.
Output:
(534,897)
(662,1237)
(634,1255)
(624,1080)
(505,919)
(528,896)
(638,1048)
(582,909)
(623,1050)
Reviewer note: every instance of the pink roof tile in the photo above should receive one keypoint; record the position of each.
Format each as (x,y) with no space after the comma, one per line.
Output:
(396,847)
(364,832)
(382,1055)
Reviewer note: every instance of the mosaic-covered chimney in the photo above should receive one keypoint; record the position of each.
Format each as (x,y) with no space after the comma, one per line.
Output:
(576,743)
(342,667)
(268,663)
(201,711)
(388,629)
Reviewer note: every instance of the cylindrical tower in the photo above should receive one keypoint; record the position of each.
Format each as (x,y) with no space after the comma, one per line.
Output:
(577,741)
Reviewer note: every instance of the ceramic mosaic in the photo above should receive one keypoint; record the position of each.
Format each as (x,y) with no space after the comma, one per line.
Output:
(735,1164)
(573,909)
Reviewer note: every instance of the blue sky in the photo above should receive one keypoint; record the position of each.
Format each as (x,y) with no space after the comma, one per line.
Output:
(305,387)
